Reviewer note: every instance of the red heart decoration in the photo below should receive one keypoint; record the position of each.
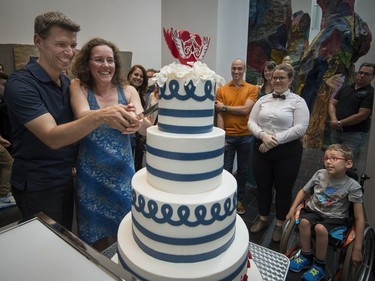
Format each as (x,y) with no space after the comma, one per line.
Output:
(192,43)
(185,46)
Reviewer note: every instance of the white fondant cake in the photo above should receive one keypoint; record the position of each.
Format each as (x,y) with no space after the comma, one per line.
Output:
(183,223)
(186,98)
(199,225)
(230,265)
(185,163)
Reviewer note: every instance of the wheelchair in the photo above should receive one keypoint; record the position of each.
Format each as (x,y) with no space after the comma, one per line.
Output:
(340,266)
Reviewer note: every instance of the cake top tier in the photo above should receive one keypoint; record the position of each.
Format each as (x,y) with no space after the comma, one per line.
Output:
(196,72)
(186,98)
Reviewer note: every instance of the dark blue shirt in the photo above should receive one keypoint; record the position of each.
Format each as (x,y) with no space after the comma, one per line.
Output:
(30,93)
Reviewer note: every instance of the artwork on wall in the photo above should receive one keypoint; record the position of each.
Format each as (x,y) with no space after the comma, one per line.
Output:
(343,38)
(22,54)
(274,32)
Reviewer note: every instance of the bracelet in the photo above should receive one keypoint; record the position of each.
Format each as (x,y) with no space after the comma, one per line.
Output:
(339,123)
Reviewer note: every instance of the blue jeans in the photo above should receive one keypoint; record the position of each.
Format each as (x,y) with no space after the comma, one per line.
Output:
(241,146)
(354,140)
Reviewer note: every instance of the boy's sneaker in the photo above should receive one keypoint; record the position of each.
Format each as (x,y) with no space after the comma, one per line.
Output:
(315,273)
(7,201)
(299,263)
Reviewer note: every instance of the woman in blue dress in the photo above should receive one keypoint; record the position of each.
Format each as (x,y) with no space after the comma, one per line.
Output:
(105,163)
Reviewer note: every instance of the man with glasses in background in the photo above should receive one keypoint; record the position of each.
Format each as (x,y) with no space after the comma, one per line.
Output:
(350,110)
(43,126)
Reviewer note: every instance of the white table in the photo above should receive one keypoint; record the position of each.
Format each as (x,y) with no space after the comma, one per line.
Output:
(41,250)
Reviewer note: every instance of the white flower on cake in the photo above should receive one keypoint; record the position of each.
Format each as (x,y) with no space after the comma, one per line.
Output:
(196,72)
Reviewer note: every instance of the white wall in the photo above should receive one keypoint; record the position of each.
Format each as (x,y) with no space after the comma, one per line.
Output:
(225,22)
(136,26)
(132,25)
(365,9)
(196,16)
(232,31)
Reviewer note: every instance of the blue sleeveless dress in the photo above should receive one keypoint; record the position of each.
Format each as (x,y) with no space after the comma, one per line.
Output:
(105,168)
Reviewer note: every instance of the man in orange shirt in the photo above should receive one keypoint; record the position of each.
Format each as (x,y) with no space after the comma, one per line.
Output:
(234,102)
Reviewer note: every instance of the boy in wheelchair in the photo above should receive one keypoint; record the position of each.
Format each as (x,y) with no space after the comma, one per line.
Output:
(330,192)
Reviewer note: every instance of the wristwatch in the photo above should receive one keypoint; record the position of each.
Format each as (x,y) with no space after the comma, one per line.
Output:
(224,108)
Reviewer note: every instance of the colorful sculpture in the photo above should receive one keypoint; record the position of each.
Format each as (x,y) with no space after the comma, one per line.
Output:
(343,38)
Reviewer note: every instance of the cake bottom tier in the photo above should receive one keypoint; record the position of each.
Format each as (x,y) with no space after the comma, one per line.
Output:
(230,265)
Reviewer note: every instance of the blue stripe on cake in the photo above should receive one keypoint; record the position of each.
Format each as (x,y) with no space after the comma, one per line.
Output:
(183,241)
(194,113)
(237,271)
(186,156)
(124,265)
(183,177)
(183,258)
(229,277)
(184,129)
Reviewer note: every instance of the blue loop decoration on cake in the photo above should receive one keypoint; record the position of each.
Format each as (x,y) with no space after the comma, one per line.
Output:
(174,88)
(183,241)
(186,156)
(184,129)
(152,207)
(183,177)
(183,211)
(183,258)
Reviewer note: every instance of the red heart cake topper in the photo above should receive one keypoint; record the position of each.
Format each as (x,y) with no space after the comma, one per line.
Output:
(186,46)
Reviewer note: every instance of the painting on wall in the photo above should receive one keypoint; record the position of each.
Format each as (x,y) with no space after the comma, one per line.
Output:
(22,54)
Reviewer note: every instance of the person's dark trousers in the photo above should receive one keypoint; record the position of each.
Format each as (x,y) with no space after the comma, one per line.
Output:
(241,146)
(56,202)
(276,168)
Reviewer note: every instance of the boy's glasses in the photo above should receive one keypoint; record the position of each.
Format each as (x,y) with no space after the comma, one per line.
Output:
(332,159)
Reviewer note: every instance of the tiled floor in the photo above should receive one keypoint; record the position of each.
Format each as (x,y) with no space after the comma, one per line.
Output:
(310,164)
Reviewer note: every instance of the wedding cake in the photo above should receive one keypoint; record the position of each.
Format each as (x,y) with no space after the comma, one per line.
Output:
(183,223)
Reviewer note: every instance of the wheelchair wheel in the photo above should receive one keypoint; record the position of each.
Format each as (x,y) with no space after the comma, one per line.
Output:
(290,241)
(362,272)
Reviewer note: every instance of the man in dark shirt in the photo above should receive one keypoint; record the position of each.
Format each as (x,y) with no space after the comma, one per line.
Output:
(350,110)
(43,125)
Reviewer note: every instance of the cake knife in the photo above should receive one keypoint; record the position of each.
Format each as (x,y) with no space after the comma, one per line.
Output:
(149,110)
